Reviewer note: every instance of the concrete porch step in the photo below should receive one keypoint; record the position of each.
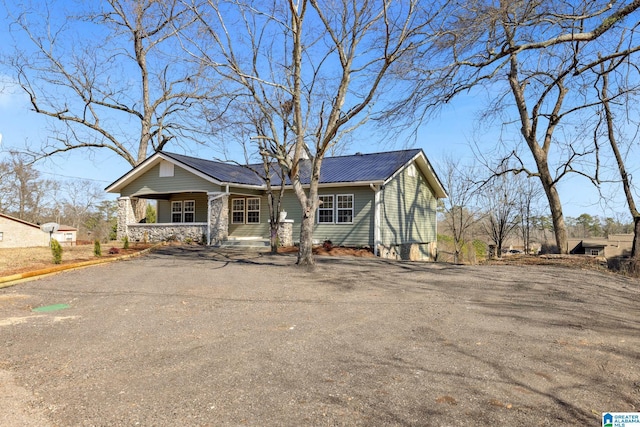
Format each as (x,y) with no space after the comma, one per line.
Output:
(244,243)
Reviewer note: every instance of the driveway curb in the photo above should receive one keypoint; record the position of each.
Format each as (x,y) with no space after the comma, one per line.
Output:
(14,279)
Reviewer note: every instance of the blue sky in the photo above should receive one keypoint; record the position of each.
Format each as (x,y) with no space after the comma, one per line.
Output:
(447,135)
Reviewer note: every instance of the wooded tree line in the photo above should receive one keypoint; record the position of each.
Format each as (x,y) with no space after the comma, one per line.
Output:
(26,195)
(295,79)
(507,210)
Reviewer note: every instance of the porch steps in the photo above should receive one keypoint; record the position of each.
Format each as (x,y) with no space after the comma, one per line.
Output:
(244,243)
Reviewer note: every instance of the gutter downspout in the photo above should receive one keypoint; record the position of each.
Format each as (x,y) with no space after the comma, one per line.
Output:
(376,217)
(211,199)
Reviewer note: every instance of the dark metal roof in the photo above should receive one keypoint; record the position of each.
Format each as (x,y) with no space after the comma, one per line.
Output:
(223,172)
(343,169)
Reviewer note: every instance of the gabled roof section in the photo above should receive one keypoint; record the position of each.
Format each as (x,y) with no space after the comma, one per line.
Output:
(219,171)
(10,218)
(356,169)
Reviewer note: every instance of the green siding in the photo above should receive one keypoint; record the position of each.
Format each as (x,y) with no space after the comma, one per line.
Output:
(250,230)
(359,233)
(182,180)
(164,206)
(408,210)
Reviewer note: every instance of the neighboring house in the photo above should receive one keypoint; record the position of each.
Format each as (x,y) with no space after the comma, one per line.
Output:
(612,246)
(16,233)
(66,235)
(386,201)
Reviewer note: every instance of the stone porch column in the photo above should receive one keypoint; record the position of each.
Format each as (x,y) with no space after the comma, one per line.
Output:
(218,217)
(125,216)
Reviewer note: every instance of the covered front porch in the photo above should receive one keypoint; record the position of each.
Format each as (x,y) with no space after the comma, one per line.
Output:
(198,217)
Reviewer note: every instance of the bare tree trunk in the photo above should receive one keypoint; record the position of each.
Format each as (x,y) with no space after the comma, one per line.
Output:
(635,248)
(559,227)
(634,265)
(139,207)
(305,252)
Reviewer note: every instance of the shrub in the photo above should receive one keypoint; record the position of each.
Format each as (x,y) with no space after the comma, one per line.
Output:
(125,244)
(97,251)
(56,250)
(114,251)
(327,245)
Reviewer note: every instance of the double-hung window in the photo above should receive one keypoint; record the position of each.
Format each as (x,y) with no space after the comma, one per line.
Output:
(335,209)
(253,211)
(176,211)
(344,208)
(325,210)
(189,211)
(183,211)
(245,210)
(237,211)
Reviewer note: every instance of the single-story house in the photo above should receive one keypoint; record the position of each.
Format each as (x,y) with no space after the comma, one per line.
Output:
(16,233)
(386,201)
(611,246)
(66,235)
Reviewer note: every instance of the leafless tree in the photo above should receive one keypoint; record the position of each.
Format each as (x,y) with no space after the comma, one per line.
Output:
(613,132)
(108,75)
(500,196)
(532,55)
(460,213)
(23,193)
(79,198)
(317,68)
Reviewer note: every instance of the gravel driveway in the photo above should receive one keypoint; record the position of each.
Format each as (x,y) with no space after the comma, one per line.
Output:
(192,337)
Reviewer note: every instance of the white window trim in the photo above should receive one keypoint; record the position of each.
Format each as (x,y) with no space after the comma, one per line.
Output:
(177,202)
(184,210)
(335,209)
(352,209)
(246,208)
(234,210)
(320,208)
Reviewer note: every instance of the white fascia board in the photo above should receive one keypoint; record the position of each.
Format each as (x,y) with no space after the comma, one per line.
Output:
(149,162)
(425,167)
(154,160)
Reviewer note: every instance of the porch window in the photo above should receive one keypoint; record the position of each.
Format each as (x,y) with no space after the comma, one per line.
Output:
(237,211)
(245,211)
(183,211)
(344,209)
(253,211)
(176,211)
(189,211)
(325,210)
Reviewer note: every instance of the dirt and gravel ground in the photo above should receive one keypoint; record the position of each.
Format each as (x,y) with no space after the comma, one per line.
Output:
(188,336)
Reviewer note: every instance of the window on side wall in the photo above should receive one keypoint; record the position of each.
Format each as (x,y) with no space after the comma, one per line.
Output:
(1,236)
(237,211)
(176,211)
(325,210)
(253,211)
(344,208)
